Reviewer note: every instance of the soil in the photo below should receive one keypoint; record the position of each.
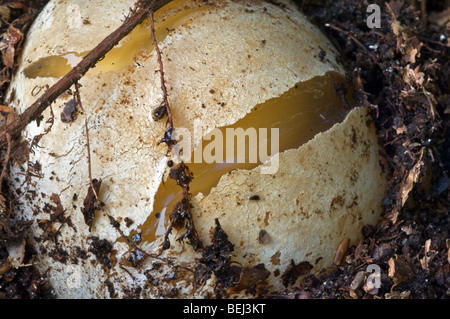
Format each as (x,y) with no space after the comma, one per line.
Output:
(401,71)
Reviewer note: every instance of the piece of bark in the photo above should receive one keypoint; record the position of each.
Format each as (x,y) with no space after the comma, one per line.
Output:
(91,203)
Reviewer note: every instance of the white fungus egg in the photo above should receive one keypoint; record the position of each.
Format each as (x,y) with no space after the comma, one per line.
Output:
(228,65)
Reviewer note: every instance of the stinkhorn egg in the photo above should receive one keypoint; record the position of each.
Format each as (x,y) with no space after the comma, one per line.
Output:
(237,73)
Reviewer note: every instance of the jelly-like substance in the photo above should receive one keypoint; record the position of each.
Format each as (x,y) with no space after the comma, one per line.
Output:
(302,112)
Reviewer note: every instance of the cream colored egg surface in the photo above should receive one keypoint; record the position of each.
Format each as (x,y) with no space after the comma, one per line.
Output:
(221,59)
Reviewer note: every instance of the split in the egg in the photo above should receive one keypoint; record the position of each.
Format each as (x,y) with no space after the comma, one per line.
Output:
(279,124)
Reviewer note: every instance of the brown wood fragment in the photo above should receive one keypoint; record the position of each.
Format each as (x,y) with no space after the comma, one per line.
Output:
(69,112)
(91,203)
(294,271)
(341,251)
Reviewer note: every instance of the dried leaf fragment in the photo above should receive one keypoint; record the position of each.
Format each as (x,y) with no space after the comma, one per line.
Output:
(249,276)
(7,115)
(5,266)
(341,251)
(399,270)
(294,271)
(216,258)
(398,295)
(57,210)
(12,37)
(409,182)
(263,237)
(358,280)
(5,13)
(69,112)
(91,203)
(5,109)
(16,251)
(424,262)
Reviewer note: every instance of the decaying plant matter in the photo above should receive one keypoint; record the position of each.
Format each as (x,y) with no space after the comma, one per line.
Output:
(18,277)
(402,72)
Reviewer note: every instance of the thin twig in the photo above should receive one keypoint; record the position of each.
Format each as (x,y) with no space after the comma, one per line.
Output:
(351,36)
(89,156)
(6,160)
(191,231)
(88,144)
(161,71)
(78,97)
(114,223)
